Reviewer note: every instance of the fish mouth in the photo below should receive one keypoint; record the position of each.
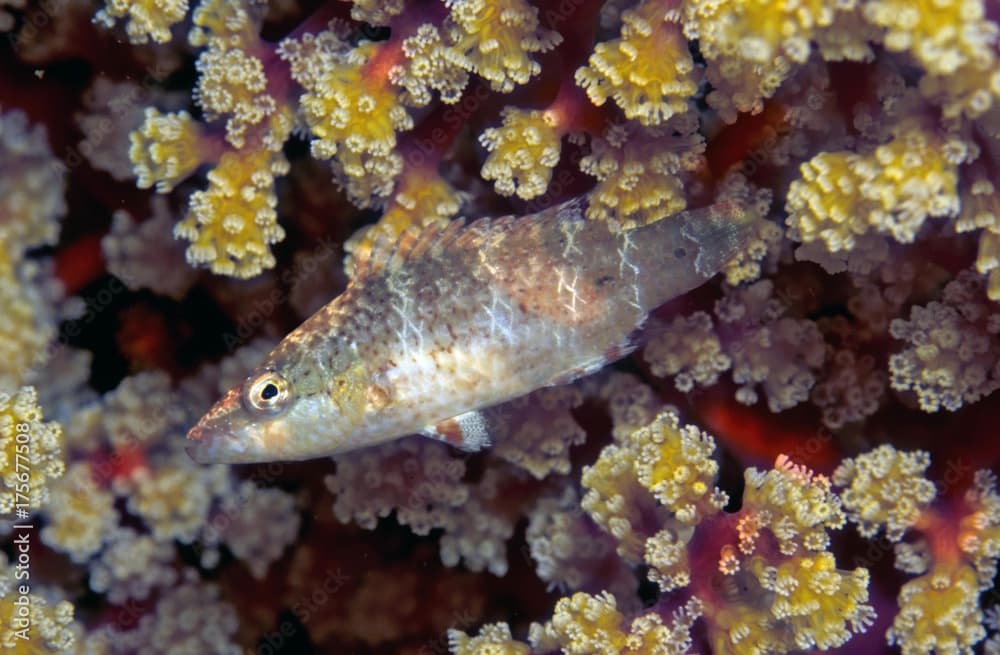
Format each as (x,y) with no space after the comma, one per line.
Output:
(215,447)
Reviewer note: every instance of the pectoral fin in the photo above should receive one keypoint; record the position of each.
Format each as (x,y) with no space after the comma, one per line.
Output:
(468,431)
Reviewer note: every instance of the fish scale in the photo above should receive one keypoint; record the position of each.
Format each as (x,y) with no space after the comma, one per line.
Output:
(449,320)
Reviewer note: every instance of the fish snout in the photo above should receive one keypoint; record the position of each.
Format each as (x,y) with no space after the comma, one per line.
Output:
(214,437)
(210,446)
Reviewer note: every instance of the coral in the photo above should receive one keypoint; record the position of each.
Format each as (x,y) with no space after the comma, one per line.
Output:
(493,639)
(174,497)
(797,506)
(31,453)
(568,549)
(165,149)
(141,411)
(429,68)
(143,255)
(844,198)
(851,389)
(232,84)
(233,223)
(60,396)
(31,188)
(496,40)
(981,209)
(955,44)
(352,115)
(752,46)
(631,403)
(27,320)
(145,20)
(190,617)
(417,478)
(523,152)
(616,501)
(689,351)
(648,70)
(641,171)
(81,514)
(592,624)
(885,488)
(132,566)
(475,534)
(676,464)
(781,353)
(979,531)
(818,604)
(938,612)
(953,357)
(536,432)
(256,524)
(113,111)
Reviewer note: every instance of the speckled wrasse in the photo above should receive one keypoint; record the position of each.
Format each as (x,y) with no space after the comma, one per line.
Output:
(449,320)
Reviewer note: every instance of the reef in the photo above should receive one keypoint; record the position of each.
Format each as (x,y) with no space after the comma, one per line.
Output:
(800,457)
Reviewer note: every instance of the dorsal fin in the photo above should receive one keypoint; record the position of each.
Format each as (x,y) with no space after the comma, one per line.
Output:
(415,241)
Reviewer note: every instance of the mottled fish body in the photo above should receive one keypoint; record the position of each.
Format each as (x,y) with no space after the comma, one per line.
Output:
(449,320)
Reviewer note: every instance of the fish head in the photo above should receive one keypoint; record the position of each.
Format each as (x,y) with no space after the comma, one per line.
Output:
(286,409)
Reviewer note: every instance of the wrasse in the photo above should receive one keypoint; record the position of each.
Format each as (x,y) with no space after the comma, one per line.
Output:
(449,320)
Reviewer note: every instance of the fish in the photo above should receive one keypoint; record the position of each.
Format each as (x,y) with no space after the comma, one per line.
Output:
(446,321)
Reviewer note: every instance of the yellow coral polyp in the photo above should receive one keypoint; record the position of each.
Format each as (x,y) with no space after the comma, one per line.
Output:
(31,455)
(226,23)
(493,639)
(885,488)
(752,45)
(583,625)
(819,604)
(648,70)
(428,68)
(495,40)
(232,224)
(955,43)
(616,501)
(352,114)
(641,172)
(25,331)
(145,20)
(81,514)
(232,84)
(523,152)
(794,504)
(676,464)
(981,210)
(165,149)
(938,612)
(794,604)
(843,196)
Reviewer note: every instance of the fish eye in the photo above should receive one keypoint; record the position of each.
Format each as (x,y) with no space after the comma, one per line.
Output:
(268,392)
